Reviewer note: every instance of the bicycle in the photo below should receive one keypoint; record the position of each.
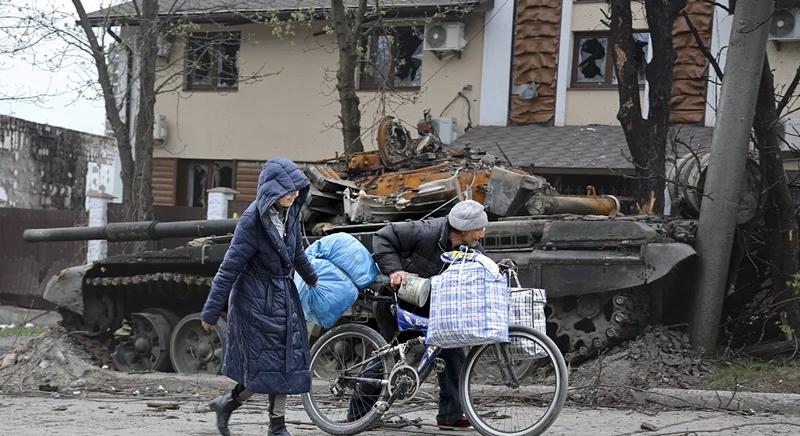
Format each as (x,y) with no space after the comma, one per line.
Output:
(357,377)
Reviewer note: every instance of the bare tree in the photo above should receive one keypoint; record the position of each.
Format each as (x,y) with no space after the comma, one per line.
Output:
(130,120)
(136,174)
(646,138)
(347,24)
(780,224)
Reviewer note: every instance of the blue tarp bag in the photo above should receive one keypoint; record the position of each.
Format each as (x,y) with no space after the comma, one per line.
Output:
(343,265)
(326,303)
(347,253)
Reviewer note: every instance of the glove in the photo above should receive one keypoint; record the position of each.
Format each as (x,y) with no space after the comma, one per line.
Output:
(507,265)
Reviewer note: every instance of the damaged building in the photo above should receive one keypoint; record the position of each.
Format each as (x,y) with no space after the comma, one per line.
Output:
(547,104)
(47,167)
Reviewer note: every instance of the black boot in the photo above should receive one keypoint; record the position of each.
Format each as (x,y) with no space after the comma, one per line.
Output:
(224,405)
(277,427)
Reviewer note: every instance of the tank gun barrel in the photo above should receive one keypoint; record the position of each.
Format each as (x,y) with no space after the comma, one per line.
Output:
(134,231)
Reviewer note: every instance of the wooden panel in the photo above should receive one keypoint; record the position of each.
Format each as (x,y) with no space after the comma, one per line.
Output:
(535,56)
(26,267)
(688,103)
(164,181)
(247,173)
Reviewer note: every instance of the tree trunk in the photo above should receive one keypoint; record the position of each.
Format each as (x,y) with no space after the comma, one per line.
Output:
(348,34)
(780,227)
(646,138)
(147,43)
(118,127)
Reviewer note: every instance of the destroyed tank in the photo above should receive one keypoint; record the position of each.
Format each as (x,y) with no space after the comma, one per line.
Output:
(605,280)
(606,276)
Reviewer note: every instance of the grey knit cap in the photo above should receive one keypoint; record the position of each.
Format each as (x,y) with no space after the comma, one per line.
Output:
(467,215)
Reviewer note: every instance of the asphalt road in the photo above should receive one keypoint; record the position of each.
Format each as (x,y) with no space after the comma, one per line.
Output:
(114,415)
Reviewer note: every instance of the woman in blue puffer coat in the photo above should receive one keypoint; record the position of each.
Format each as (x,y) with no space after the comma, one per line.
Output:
(266,349)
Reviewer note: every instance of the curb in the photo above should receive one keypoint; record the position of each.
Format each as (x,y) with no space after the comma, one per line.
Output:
(784,404)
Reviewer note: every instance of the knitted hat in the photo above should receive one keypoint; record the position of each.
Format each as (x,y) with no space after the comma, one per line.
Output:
(467,215)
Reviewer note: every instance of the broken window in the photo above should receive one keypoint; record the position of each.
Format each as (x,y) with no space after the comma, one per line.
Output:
(392,58)
(212,61)
(593,64)
(196,177)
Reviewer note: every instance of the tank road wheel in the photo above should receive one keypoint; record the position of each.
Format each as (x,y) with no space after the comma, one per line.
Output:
(590,323)
(193,351)
(147,347)
(101,315)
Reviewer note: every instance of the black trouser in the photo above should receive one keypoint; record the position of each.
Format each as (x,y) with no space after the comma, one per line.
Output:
(277,402)
(366,395)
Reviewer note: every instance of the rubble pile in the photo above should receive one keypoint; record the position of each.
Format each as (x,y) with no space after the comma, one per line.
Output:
(57,363)
(49,362)
(659,358)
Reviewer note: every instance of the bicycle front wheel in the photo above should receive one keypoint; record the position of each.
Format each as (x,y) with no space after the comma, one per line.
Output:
(516,388)
(337,403)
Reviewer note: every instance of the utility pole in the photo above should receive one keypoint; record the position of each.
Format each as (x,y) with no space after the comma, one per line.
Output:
(726,168)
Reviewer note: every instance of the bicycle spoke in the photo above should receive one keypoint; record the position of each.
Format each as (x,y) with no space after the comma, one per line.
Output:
(510,388)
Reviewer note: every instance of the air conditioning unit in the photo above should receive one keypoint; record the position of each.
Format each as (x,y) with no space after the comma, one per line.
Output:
(444,37)
(160,129)
(785,25)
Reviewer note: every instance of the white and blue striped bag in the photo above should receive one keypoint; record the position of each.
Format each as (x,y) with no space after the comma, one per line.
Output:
(469,302)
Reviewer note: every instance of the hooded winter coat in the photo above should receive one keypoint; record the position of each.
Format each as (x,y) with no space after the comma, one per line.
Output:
(266,348)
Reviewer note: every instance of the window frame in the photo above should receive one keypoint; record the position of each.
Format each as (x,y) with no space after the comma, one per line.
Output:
(214,67)
(182,178)
(365,42)
(608,83)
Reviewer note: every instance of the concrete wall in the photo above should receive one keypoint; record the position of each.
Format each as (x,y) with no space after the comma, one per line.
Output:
(293,112)
(46,167)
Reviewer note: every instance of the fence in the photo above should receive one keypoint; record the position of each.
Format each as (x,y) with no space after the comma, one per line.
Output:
(26,267)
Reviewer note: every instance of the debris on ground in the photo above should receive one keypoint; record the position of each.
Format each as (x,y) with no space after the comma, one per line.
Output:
(659,358)
(48,362)
(57,363)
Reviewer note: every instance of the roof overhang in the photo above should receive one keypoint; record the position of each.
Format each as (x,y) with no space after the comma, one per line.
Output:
(105,18)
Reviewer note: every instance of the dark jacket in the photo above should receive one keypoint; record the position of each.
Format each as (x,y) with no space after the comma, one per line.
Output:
(414,247)
(266,348)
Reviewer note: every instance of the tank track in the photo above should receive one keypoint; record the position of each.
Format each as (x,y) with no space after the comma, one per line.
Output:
(105,308)
(180,280)
(587,324)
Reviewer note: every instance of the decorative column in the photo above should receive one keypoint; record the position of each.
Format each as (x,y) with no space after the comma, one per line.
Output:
(218,199)
(97,204)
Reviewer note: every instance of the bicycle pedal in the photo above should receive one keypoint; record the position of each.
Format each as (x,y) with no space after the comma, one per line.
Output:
(438,365)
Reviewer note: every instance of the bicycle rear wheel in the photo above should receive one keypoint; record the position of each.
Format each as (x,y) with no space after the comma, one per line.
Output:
(336,405)
(516,388)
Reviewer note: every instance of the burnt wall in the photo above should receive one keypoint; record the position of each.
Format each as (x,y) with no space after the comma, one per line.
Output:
(44,167)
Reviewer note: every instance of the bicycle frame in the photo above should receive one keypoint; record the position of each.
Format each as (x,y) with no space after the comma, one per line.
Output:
(406,322)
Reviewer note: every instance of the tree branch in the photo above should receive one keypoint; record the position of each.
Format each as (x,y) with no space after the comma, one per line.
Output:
(787,96)
(701,45)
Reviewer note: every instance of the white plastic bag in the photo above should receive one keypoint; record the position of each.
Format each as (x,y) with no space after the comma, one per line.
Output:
(527,309)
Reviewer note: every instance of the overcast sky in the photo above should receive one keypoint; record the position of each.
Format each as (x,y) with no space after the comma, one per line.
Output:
(68,109)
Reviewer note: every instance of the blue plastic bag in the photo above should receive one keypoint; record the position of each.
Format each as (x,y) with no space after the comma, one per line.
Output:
(347,253)
(334,294)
